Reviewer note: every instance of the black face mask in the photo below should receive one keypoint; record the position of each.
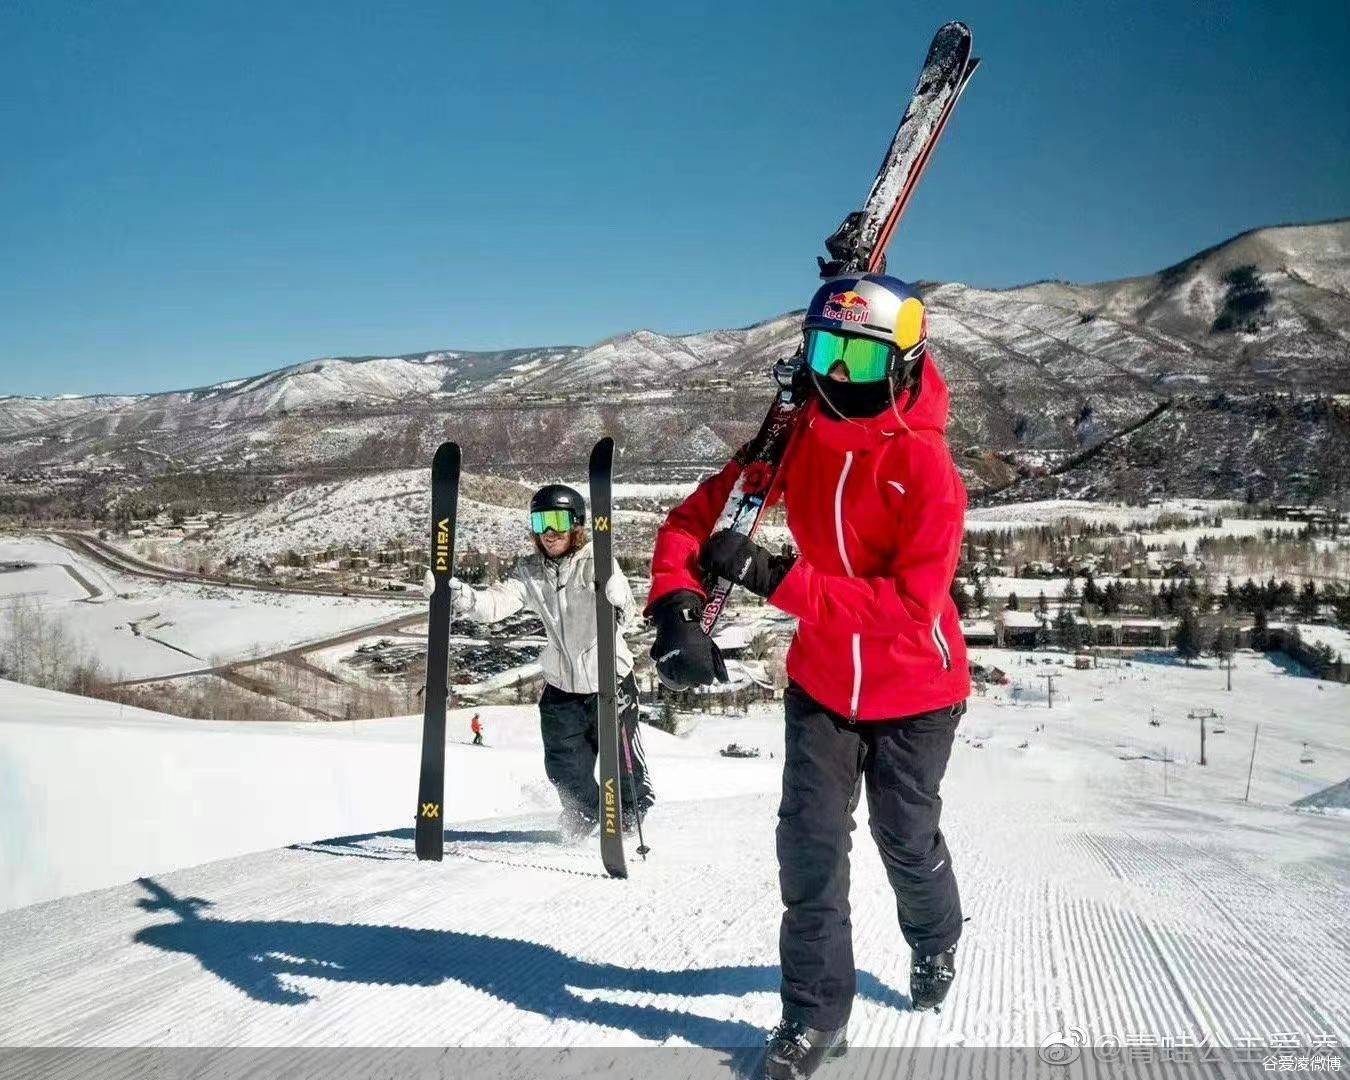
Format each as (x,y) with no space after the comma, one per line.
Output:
(854,401)
(860,401)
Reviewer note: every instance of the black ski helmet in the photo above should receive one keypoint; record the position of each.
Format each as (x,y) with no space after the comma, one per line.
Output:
(560,497)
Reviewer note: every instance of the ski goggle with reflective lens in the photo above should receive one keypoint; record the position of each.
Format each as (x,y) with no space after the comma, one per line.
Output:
(558,521)
(864,359)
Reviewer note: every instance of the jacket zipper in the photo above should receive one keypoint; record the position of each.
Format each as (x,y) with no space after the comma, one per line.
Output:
(848,569)
(944,651)
(560,594)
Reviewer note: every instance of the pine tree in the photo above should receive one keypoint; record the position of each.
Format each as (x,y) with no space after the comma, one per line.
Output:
(1091,594)
(1249,597)
(1188,635)
(1307,601)
(1260,631)
(1070,594)
(1067,630)
(1225,642)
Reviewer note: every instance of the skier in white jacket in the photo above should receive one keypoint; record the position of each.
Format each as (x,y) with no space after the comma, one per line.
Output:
(557,583)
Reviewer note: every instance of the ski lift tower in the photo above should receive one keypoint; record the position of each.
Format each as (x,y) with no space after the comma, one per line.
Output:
(1202,715)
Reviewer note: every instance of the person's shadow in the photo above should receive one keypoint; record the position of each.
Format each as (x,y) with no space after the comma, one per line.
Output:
(256,957)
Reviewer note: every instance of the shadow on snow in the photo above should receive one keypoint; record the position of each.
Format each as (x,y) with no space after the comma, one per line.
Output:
(260,958)
(351,846)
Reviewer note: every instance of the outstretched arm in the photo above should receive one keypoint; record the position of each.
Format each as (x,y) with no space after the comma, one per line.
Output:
(488,605)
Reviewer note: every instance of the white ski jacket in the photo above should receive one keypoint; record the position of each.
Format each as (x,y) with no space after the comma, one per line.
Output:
(562,593)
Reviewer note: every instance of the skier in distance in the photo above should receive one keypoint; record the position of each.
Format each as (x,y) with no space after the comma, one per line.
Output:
(877,670)
(557,583)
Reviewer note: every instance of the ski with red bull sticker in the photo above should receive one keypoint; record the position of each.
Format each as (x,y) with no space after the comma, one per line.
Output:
(858,246)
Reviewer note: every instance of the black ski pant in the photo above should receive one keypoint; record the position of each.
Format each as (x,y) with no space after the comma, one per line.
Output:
(568,722)
(828,762)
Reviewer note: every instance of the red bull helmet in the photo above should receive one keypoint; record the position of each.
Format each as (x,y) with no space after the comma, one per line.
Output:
(865,327)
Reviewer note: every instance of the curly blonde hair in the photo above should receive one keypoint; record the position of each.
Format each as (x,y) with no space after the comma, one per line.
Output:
(577,538)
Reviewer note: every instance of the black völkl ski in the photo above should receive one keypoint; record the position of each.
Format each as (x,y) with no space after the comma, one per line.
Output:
(857,246)
(607,711)
(430,833)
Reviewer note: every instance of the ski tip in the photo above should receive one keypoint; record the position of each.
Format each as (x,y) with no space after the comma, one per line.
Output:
(602,456)
(447,451)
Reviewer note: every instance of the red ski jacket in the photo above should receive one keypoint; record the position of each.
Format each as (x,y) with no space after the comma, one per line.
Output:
(877,509)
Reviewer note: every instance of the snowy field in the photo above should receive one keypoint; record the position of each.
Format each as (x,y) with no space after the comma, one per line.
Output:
(139,627)
(1230,527)
(1030,515)
(1094,899)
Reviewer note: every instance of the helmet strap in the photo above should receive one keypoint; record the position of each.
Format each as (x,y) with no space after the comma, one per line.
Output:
(912,377)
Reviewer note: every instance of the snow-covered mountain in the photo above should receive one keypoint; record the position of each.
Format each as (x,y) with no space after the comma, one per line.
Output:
(1048,367)
(19,414)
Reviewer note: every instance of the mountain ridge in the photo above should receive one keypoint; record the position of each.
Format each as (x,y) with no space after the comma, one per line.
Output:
(1042,368)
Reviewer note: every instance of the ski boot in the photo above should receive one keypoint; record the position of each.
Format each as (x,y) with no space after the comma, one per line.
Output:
(795,1051)
(929,979)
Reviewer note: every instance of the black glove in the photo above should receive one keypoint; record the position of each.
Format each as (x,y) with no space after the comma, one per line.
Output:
(685,656)
(741,561)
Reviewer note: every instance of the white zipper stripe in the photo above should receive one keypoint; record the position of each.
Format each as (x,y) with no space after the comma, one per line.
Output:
(848,569)
(839,512)
(857,674)
(941,643)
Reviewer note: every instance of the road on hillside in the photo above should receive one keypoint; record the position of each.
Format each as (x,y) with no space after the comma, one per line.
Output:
(104,553)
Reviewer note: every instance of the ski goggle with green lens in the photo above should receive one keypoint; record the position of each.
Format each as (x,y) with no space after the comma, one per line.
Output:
(865,359)
(558,521)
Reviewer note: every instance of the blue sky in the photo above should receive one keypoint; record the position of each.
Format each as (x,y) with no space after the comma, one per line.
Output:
(192,191)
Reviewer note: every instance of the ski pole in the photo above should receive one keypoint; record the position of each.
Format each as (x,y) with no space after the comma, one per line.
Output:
(632,782)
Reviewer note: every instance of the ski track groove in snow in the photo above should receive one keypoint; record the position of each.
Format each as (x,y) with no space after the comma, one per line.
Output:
(1263,962)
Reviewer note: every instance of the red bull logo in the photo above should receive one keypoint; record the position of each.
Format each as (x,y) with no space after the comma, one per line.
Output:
(846,306)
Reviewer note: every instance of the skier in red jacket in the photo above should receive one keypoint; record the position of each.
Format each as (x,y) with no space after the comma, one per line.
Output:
(877,668)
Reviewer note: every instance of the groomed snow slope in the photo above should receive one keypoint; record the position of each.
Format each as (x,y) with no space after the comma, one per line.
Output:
(1094,900)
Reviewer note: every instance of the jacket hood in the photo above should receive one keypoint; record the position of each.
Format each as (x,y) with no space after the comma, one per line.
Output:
(927,411)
